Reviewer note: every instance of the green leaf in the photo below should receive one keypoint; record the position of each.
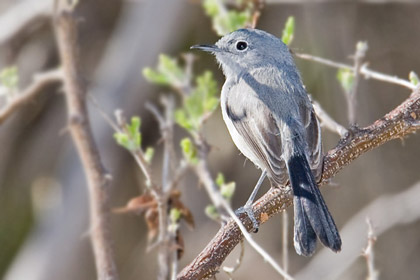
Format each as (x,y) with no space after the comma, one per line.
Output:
(227,190)
(155,77)
(220,179)
(189,150)
(288,31)
(414,79)
(134,131)
(175,215)
(207,90)
(131,138)
(168,72)
(236,20)
(148,154)
(212,212)
(211,7)
(170,68)
(182,120)
(225,21)
(346,79)
(9,78)
(122,139)
(199,104)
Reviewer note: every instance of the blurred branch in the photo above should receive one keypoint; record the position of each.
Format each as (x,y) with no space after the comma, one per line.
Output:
(256,11)
(369,254)
(41,81)
(358,57)
(400,122)
(97,177)
(364,70)
(285,241)
(167,254)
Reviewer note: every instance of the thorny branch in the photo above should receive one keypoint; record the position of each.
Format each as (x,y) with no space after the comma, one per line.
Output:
(97,178)
(397,124)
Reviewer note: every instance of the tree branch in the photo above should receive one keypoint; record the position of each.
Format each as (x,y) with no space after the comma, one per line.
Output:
(328,122)
(403,120)
(97,178)
(41,81)
(364,70)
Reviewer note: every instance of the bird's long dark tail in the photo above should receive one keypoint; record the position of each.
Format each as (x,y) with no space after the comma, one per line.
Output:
(312,217)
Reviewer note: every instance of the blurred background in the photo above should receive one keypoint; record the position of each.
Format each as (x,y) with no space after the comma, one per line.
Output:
(43,197)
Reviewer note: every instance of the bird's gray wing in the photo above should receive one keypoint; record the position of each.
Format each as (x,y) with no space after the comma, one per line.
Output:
(258,128)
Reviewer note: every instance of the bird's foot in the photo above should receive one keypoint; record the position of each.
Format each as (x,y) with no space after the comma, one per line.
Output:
(249,211)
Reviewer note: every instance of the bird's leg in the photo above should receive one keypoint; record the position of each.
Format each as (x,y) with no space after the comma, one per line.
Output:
(247,208)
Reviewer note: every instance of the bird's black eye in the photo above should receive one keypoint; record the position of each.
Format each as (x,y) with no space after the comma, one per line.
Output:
(241,45)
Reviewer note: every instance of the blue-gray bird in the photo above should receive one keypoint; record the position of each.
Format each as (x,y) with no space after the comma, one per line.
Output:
(272,122)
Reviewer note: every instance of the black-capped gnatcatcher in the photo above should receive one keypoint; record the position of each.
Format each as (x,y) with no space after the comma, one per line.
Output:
(272,122)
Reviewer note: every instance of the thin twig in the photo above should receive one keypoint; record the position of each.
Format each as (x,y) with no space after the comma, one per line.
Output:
(97,178)
(399,123)
(179,174)
(258,5)
(156,113)
(364,70)
(324,61)
(40,82)
(285,241)
(369,253)
(370,74)
(167,254)
(328,122)
(168,251)
(351,96)
(186,89)
(174,256)
(230,270)
(102,112)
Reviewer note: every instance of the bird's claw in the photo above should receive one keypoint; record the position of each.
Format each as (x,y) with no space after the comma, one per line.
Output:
(250,213)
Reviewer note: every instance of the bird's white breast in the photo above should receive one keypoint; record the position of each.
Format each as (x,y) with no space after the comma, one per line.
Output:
(236,137)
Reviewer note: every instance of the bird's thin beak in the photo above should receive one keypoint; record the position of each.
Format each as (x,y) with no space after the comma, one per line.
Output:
(206,48)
